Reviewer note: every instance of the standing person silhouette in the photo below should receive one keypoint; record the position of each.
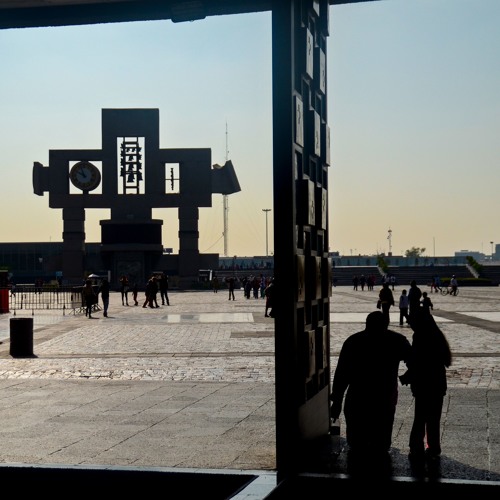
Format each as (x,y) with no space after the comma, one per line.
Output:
(393,281)
(269,292)
(124,285)
(414,296)
(164,289)
(89,298)
(355,282)
(454,285)
(231,284)
(427,304)
(135,292)
(367,373)
(104,291)
(437,283)
(263,282)
(362,282)
(154,291)
(386,300)
(426,375)
(150,292)
(403,308)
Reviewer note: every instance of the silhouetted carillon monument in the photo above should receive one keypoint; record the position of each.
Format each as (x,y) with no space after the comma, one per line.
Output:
(131,175)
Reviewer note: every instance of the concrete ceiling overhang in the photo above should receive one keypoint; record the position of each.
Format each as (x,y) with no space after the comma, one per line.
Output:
(42,13)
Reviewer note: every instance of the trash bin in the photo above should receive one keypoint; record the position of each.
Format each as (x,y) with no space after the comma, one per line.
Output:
(4,300)
(21,337)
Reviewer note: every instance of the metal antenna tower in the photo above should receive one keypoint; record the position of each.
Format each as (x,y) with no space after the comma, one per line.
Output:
(225,208)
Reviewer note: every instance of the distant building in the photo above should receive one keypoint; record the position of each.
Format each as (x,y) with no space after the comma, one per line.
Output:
(478,256)
(398,260)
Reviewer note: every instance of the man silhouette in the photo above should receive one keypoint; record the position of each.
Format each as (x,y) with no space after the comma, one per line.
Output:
(367,373)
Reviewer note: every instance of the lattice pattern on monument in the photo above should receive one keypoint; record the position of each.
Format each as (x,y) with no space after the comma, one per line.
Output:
(312,159)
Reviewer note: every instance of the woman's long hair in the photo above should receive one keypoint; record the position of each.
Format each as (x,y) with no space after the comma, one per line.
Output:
(428,335)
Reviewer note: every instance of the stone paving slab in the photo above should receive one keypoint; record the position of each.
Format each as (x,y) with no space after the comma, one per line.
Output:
(191,385)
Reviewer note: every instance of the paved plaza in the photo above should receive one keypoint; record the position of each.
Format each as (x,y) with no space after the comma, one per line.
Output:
(191,386)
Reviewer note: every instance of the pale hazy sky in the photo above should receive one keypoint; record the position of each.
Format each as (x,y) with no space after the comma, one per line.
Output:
(414,111)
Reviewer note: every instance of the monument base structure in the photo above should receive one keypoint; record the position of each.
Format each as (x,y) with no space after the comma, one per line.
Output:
(131,175)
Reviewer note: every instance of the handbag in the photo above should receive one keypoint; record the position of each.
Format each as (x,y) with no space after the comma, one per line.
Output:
(379,304)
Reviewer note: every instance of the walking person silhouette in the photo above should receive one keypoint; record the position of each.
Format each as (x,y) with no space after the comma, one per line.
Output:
(403,308)
(426,375)
(89,298)
(367,373)
(386,300)
(414,296)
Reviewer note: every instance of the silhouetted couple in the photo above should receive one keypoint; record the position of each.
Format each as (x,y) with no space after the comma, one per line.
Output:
(367,374)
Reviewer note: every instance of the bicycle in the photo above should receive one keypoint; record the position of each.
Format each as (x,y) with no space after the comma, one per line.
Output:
(448,290)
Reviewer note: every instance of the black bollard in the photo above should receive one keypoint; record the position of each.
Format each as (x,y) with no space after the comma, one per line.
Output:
(21,337)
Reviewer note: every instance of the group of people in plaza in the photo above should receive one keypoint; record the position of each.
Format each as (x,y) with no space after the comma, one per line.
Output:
(370,281)
(253,286)
(409,300)
(437,287)
(157,284)
(365,383)
(363,281)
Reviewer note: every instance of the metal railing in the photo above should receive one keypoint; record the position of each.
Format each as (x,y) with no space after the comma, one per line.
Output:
(47,297)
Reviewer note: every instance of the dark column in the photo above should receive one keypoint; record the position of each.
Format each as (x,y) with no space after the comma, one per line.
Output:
(73,244)
(189,255)
(300,161)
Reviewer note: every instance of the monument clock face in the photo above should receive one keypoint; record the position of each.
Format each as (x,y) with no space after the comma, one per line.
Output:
(85,176)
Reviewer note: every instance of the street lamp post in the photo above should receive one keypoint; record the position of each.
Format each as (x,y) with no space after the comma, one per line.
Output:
(266,210)
(492,252)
